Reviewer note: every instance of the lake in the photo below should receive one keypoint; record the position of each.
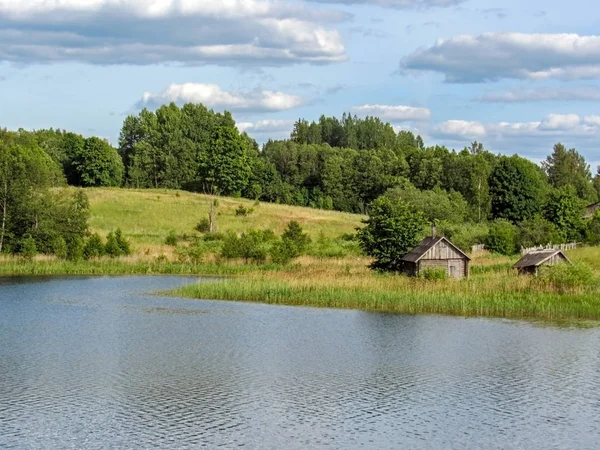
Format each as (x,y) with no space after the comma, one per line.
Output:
(103,363)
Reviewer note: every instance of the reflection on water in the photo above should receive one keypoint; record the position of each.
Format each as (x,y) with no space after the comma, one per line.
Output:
(96,363)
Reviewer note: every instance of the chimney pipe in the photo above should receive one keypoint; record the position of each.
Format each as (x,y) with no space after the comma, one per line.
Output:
(433,230)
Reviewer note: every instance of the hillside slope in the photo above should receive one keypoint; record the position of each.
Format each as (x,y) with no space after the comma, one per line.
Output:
(147,216)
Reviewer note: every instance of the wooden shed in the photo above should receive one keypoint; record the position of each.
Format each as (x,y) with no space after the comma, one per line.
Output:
(531,262)
(438,253)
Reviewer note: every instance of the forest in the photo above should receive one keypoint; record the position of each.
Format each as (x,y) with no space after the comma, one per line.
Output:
(343,164)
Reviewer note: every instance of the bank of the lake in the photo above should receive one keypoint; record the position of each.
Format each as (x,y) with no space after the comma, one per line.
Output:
(493,290)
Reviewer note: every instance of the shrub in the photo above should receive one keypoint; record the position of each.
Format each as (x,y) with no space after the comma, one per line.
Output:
(592,230)
(538,231)
(94,248)
(502,238)
(464,236)
(296,237)
(252,245)
(213,237)
(171,239)
(433,274)
(242,211)
(203,226)
(193,254)
(59,247)
(282,252)
(28,248)
(122,242)
(111,248)
(76,249)
(566,277)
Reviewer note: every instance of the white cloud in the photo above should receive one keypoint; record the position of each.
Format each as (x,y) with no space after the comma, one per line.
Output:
(232,32)
(580,93)
(592,121)
(559,122)
(212,96)
(493,56)
(267,126)
(398,4)
(398,113)
(460,129)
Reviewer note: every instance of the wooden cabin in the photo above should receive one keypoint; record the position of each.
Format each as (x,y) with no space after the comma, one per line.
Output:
(530,263)
(590,210)
(437,253)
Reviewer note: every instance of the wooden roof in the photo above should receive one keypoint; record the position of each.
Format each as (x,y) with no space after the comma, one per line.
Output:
(591,209)
(536,259)
(427,244)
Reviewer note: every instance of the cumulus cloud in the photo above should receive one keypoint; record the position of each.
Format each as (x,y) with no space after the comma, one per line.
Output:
(267,126)
(212,96)
(580,93)
(459,129)
(398,113)
(233,32)
(398,4)
(555,126)
(493,56)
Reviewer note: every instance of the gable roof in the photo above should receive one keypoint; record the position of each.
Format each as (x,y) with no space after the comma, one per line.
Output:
(427,244)
(591,209)
(536,259)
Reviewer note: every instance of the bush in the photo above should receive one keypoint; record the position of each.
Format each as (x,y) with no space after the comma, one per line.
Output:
(538,231)
(253,245)
(203,226)
(28,248)
(194,254)
(282,252)
(94,248)
(242,211)
(343,246)
(296,237)
(171,239)
(76,249)
(111,248)
(464,236)
(566,277)
(502,238)
(59,247)
(123,243)
(213,237)
(592,230)
(433,274)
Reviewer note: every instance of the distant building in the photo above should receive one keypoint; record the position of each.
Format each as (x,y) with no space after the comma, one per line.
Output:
(436,253)
(531,262)
(591,210)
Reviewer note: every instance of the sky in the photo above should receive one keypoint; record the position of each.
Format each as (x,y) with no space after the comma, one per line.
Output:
(518,77)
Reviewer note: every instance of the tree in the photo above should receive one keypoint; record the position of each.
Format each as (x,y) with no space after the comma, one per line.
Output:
(517,189)
(565,210)
(569,168)
(97,164)
(502,238)
(391,231)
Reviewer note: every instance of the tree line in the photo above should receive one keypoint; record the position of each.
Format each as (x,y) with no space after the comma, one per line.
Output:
(341,164)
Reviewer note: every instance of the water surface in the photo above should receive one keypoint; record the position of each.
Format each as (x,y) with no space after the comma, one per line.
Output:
(100,363)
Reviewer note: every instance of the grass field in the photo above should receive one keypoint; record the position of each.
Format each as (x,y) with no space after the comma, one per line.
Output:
(147,216)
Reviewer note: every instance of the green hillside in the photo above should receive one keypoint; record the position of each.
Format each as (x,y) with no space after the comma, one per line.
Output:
(147,216)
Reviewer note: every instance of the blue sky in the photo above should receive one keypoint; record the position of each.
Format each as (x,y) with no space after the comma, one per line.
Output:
(517,77)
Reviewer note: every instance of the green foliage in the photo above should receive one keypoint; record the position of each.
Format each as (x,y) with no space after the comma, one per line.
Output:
(171,239)
(203,226)
(592,230)
(517,189)
(464,235)
(538,231)
(252,245)
(295,236)
(568,168)
(564,209)
(123,243)
(94,248)
(391,231)
(193,254)
(283,251)
(111,248)
(502,237)
(76,249)
(28,248)
(436,205)
(434,274)
(345,245)
(59,247)
(96,163)
(242,211)
(566,277)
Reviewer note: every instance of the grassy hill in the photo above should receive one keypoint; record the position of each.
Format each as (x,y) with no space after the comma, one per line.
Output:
(147,216)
